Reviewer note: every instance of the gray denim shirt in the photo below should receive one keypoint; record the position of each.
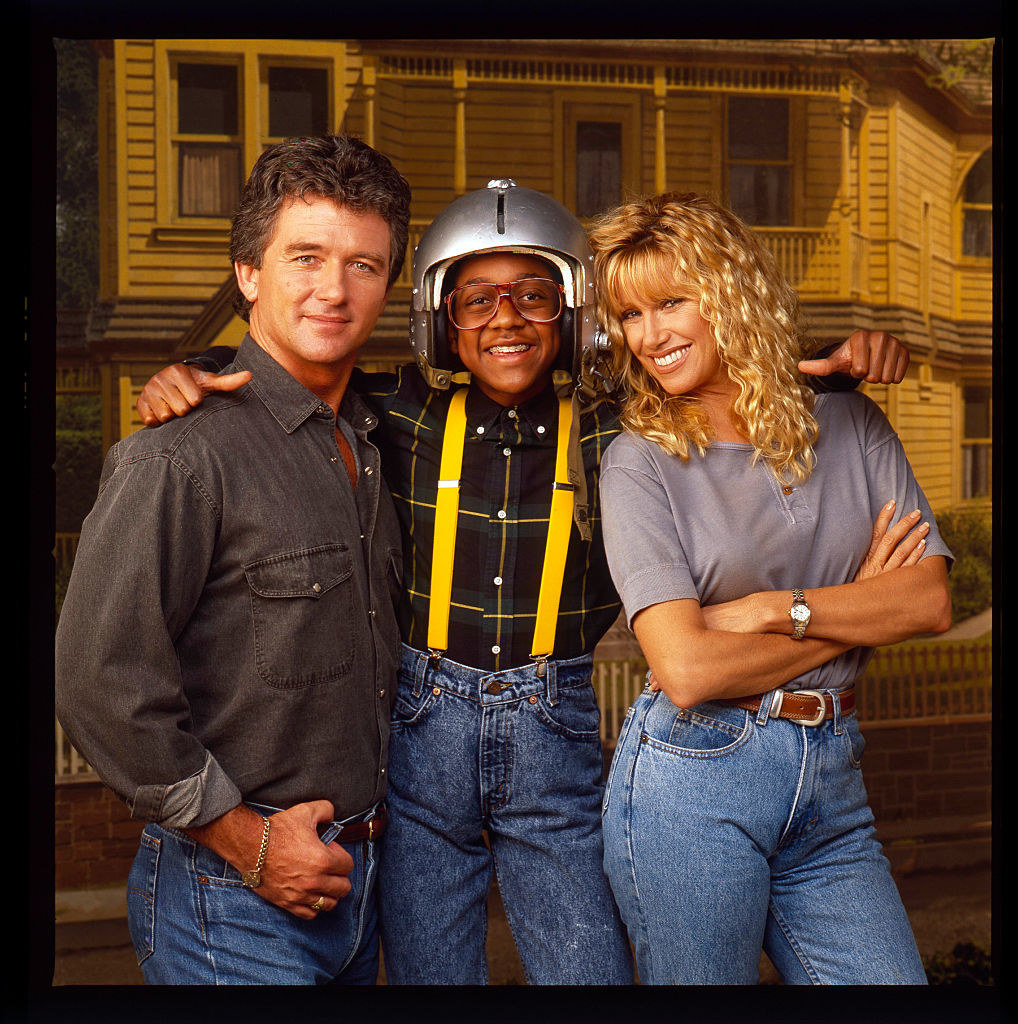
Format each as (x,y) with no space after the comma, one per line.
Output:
(229,631)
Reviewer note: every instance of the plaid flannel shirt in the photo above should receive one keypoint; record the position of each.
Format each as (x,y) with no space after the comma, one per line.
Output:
(505,499)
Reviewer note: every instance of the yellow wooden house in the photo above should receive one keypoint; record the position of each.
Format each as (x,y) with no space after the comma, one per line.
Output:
(864,166)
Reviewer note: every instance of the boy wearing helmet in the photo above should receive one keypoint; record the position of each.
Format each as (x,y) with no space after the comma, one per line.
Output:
(492,454)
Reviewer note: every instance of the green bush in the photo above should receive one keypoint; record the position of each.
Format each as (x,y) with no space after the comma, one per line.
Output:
(966,964)
(79,458)
(969,536)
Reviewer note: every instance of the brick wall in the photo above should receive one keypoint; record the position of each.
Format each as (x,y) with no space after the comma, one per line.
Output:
(95,839)
(916,772)
(912,772)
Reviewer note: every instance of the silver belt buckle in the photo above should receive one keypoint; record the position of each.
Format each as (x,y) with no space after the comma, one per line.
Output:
(821,714)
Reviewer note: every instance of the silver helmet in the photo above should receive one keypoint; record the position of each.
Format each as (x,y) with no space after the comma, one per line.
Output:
(505,217)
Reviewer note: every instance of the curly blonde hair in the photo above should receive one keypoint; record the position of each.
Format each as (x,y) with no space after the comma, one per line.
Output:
(674,243)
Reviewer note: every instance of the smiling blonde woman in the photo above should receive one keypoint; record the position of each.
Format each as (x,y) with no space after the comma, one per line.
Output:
(748,529)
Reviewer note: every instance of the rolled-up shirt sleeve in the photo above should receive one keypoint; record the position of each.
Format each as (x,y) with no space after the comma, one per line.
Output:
(139,572)
(645,555)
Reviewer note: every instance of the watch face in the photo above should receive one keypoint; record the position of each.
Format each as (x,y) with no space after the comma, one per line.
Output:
(800,612)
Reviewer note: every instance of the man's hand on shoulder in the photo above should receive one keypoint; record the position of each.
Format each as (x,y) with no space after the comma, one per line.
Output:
(874,356)
(299,868)
(178,389)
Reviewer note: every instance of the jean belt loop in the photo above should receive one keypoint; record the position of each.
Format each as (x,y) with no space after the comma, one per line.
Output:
(836,717)
(763,713)
(420,673)
(551,682)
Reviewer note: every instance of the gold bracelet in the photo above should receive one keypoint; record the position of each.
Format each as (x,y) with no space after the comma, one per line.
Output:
(252,879)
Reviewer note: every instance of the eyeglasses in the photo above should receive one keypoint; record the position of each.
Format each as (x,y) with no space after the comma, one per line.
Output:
(473,305)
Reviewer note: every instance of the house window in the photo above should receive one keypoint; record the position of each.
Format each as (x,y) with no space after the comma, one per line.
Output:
(976,449)
(758,159)
(298,101)
(977,209)
(598,166)
(208,139)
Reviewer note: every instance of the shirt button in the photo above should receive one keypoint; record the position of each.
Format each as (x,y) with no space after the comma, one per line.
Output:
(381,693)
(333,459)
(512,414)
(501,513)
(507,451)
(540,430)
(371,612)
(496,649)
(497,581)
(316,587)
(786,490)
(368,471)
(480,430)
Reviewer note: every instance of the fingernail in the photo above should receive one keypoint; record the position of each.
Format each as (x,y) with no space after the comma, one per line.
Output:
(915,514)
(890,504)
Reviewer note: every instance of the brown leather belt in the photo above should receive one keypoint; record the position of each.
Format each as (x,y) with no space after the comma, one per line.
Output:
(363,829)
(807,707)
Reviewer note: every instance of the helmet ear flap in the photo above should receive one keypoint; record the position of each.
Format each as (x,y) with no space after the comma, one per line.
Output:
(566,327)
(441,322)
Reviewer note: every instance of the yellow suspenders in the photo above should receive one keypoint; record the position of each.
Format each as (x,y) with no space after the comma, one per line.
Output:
(447,506)
(447,511)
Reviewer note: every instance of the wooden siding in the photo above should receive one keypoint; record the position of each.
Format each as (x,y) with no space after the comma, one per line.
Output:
(691,136)
(865,248)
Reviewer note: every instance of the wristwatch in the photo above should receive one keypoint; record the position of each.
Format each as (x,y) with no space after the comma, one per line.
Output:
(800,614)
(253,878)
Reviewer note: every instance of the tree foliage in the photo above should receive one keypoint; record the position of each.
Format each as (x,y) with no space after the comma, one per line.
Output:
(77,174)
(969,536)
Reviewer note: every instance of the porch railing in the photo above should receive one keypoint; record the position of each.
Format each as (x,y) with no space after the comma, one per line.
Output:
(906,684)
(811,258)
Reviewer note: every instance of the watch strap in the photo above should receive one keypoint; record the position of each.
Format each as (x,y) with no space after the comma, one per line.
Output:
(799,625)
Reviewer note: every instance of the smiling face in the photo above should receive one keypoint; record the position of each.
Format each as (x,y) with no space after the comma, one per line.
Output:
(321,286)
(510,358)
(676,346)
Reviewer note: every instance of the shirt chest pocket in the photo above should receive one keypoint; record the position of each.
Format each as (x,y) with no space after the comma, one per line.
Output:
(302,606)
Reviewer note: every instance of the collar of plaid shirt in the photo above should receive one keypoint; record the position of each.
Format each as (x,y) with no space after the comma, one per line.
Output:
(505,498)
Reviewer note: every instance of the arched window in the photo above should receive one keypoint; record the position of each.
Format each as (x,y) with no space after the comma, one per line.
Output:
(977,208)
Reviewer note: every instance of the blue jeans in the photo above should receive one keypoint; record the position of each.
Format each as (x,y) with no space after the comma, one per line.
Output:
(517,756)
(727,831)
(192,921)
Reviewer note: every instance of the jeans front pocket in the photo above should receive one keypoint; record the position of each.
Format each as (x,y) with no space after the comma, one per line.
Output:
(711,729)
(302,610)
(408,708)
(141,896)
(574,715)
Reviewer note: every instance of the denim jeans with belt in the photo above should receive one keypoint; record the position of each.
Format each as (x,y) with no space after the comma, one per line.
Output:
(727,831)
(193,922)
(516,755)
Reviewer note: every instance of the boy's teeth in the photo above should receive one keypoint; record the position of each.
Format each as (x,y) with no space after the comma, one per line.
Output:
(508,348)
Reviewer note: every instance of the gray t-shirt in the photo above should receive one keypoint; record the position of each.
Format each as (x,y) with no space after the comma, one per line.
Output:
(718,527)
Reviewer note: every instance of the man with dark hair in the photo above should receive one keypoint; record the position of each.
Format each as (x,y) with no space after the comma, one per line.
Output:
(227,649)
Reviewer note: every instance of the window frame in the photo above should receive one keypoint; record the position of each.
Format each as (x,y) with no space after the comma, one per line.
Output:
(793,161)
(251,57)
(570,109)
(975,442)
(963,206)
